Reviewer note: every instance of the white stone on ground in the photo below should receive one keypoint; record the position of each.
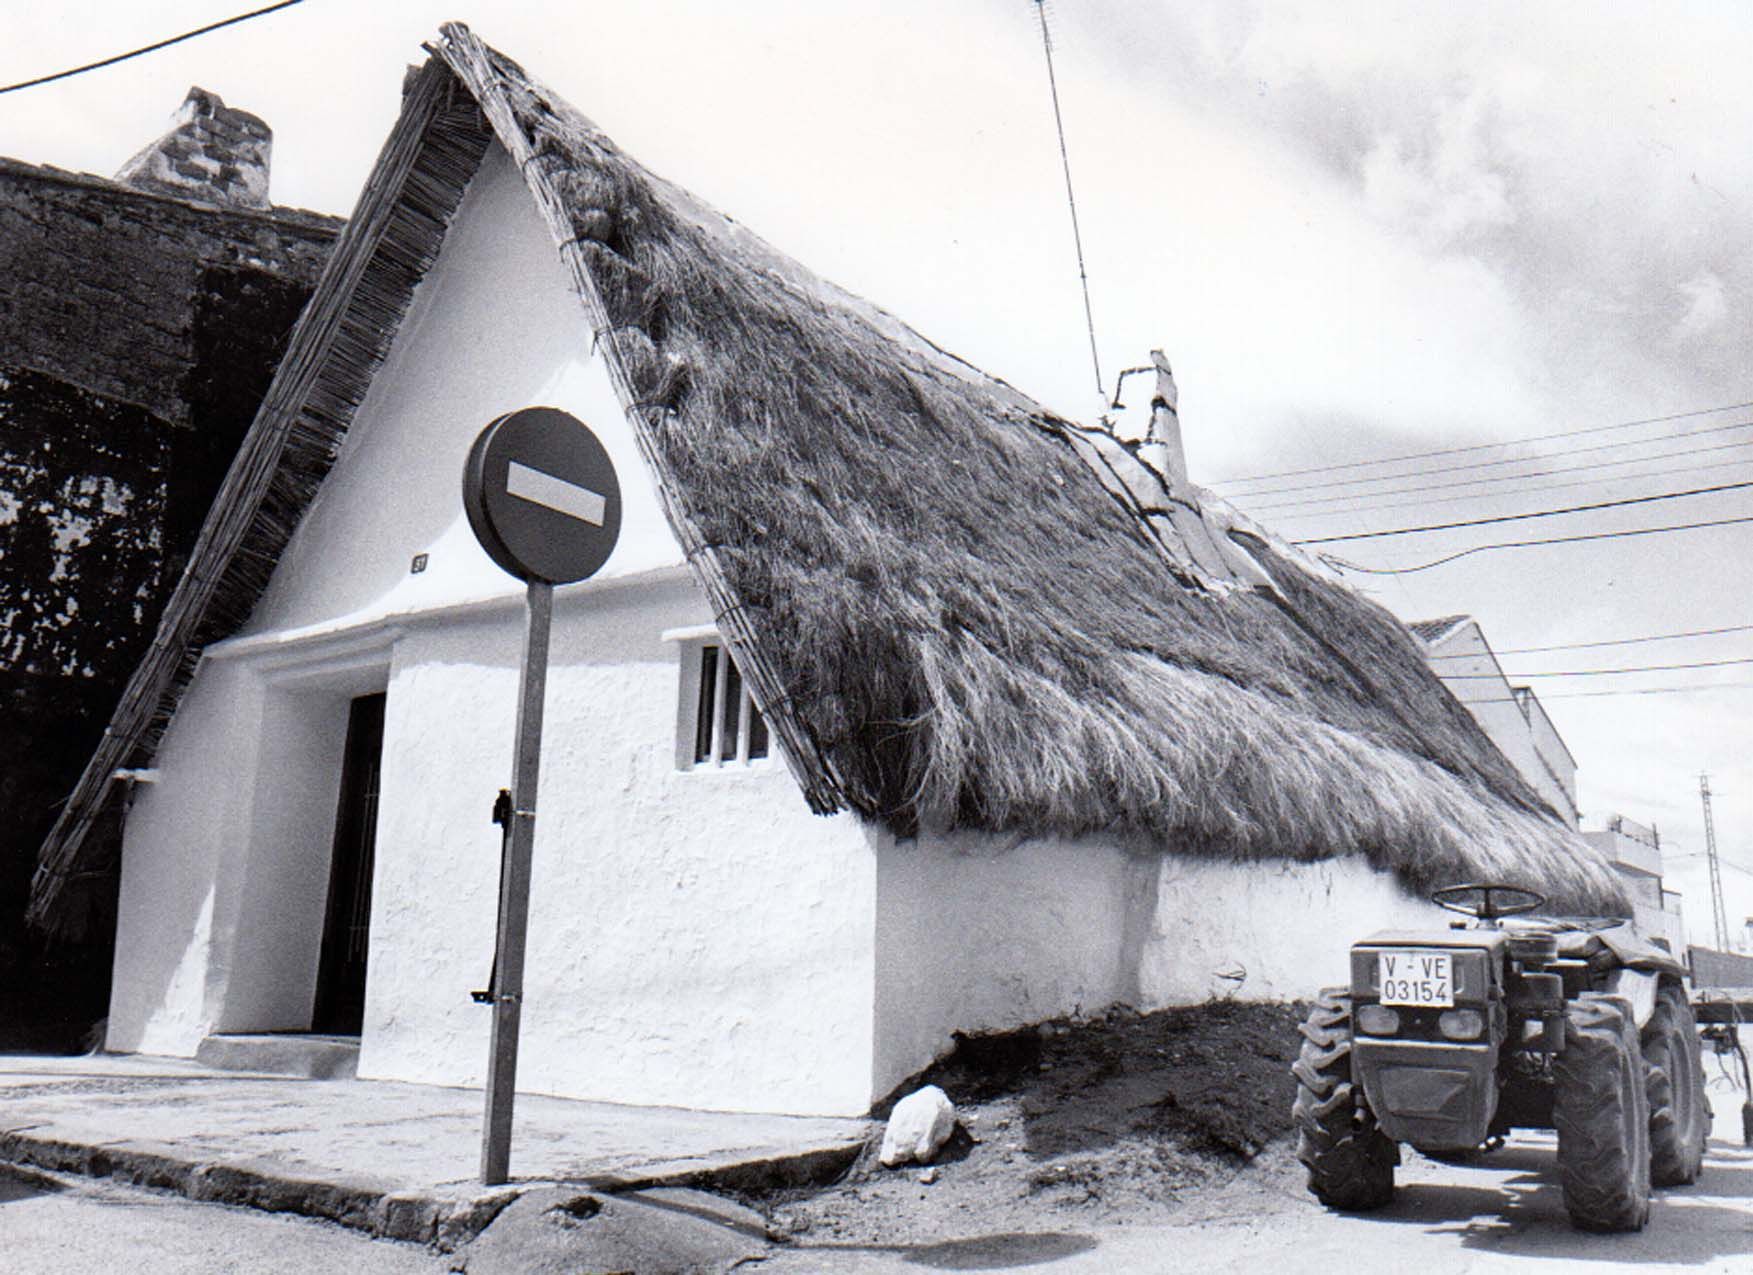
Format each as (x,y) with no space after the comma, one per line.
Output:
(918,1127)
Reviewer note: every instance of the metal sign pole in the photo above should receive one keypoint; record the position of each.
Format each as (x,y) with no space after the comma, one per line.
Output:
(542,498)
(514,902)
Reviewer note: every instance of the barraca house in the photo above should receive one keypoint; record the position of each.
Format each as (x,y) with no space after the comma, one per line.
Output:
(904,706)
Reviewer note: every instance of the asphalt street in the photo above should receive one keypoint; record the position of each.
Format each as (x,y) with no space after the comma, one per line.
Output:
(74,1226)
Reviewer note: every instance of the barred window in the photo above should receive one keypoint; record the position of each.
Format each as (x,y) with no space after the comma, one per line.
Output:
(726,726)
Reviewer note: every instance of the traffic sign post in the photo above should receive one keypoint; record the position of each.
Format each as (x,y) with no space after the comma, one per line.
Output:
(543,500)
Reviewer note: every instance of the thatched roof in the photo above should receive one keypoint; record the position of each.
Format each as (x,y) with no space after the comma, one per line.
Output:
(950,618)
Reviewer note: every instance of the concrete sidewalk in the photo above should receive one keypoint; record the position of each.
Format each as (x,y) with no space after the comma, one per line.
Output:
(396,1160)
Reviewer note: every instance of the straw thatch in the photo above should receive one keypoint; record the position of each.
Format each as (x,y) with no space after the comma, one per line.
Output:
(949,619)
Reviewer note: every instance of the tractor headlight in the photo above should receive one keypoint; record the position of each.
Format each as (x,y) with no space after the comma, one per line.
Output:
(1378,1020)
(1461,1024)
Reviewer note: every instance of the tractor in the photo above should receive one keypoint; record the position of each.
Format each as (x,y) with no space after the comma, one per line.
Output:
(1448,1039)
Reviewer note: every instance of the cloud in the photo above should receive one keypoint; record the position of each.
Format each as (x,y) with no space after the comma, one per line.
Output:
(1445,187)
(1707,308)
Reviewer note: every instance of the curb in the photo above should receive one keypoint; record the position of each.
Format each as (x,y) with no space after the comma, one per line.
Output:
(380,1209)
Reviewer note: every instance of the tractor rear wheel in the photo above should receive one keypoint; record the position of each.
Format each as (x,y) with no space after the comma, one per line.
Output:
(1350,1161)
(1602,1112)
(1674,1079)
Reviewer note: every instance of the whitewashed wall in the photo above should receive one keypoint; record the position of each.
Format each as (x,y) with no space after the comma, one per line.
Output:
(697,938)
(980,933)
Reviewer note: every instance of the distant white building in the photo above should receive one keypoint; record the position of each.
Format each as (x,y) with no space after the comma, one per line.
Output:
(1517,723)
(1511,715)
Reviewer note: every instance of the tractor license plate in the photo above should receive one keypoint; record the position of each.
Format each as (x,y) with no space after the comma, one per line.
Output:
(1415,978)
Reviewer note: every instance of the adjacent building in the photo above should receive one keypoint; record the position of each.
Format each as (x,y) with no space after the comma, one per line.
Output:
(1517,723)
(1511,715)
(141,319)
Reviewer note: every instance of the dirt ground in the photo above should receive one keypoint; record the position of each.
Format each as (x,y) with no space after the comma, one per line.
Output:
(1125,1117)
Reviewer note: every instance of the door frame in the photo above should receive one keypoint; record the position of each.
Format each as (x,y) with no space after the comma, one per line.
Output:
(271,899)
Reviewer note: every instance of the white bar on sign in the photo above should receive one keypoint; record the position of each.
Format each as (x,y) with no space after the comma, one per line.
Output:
(555,493)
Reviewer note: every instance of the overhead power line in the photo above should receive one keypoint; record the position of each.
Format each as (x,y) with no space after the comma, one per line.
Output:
(1427,501)
(1579,646)
(1699,854)
(1631,690)
(1480,447)
(1526,544)
(1594,672)
(1539,513)
(149,48)
(1498,464)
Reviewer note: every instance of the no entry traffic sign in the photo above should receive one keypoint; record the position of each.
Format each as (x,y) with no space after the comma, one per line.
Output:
(543,500)
(542,496)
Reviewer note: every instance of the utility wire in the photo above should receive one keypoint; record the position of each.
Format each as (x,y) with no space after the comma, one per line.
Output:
(1699,854)
(1525,544)
(1639,690)
(1578,646)
(1539,513)
(150,48)
(1480,447)
(1070,198)
(1482,482)
(1509,495)
(1562,454)
(1593,672)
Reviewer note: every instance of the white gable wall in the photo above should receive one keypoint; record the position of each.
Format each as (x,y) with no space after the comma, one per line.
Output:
(696,938)
(493,327)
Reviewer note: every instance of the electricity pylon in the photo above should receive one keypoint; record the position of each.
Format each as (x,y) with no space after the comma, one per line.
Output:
(1716,873)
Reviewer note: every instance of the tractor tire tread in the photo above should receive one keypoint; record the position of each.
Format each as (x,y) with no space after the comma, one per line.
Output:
(1350,1161)
(1602,1114)
(1674,1082)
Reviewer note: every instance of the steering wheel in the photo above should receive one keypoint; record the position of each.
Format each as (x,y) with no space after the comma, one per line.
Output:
(1487,901)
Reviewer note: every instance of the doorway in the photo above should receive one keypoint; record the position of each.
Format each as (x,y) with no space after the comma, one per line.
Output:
(340,993)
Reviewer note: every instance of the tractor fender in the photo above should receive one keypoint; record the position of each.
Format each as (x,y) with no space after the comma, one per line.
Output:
(1639,988)
(1638,953)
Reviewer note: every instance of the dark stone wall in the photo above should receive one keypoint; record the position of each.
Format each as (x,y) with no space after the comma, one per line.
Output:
(137,336)
(99,283)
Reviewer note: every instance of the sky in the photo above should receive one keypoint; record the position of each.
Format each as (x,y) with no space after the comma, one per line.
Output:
(1359,231)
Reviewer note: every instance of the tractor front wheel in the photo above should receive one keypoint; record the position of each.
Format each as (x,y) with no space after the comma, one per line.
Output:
(1350,1161)
(1674,1076)
(1602,1112)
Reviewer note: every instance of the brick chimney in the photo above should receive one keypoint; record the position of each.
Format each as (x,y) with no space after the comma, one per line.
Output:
(212,153)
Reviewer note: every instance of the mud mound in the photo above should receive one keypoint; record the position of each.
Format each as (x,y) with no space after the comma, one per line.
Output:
(1125,1115)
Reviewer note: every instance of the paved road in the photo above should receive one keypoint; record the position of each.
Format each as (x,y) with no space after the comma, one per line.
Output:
(1505,1216)
(79,1227)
